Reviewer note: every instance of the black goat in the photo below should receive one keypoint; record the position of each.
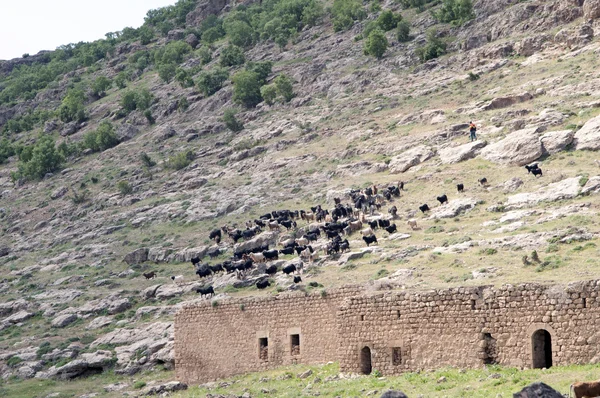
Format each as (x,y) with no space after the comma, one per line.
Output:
(532,167)
(370,239)
(383,223)
(271,270)
(287,250)
(297,279)
(391,229)
(216,268)
(442,199)
(205,291)
(424,208)
(215,252)
(263,284)
(215,235)
(393,211)
(203,271)
(195,261)
(271,254)
(537,172)
(288,269)
(344,245)
(483,181)
(460,187)
(372,224)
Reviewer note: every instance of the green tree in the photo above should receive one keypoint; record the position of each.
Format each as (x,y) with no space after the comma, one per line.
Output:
(269,93)
(231,56)
(136,99)
(101,85)
(146,34)
(262,69)
(376,44)
(167,72)
(183,78)
(403,31)
(101,139)
(246,88)
(172,53)
(211,81)
(213,34)
(6,150)
(232,123)
(433,48)
(204,54)
(128,101)
(345,12)
(387,20)
(284,87)
(121,80)
(72,108)
(240,34)
(45,159)
(456,12)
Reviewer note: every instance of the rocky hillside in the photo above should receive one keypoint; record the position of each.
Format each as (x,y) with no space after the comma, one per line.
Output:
(146,165)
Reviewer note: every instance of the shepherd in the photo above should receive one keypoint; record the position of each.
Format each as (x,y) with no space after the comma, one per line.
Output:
(473,131)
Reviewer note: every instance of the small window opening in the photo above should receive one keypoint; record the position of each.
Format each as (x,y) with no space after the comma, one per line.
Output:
(295,344)
(584,303)
(398,314)
(490,350)
(472,304)
(396,356)
(362,317)
(263,344)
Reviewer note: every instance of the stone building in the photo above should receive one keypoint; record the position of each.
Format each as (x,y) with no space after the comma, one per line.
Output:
(527,325)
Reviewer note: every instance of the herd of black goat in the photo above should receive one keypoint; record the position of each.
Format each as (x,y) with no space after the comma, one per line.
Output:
(342,220)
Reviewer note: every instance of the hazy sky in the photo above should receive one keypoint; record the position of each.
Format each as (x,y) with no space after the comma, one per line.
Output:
(28,26)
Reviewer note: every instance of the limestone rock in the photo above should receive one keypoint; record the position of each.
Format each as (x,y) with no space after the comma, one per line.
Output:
(588,137)
(126,131)
(98,360)
(591,9)
(503,102)
(19,317)
(591,186)
(393,394)
(162,389)
(512,185)
(127,336)
(565,189)
(265,238)
(538,390)
(556,141)
(59,193)
(344,258)
(531,45)
(518,148)
(63,320)
(99,322)
(305,374)
(137,256)
(461,153)
(9,307)
(576,36)
(410,158)
(453,208)
(192,40)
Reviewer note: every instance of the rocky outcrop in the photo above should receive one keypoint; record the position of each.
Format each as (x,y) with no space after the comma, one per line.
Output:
(126,131)
(266,238)
(410,158)
(62,321)
(137,256)
(461,153)
(591,9)
(92,362)
(556,141)
(518,148)
(393,394)
(538,390)
(453,208)
(503,102)
(165,389)
(565,189)
(588,137)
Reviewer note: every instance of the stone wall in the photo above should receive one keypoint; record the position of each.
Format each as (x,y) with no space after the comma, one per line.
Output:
(526,325)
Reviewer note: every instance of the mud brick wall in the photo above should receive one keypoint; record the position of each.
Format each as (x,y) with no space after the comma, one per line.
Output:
(527,325)
(213,342)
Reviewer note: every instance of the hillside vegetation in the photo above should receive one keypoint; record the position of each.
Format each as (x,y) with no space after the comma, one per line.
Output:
(119,157)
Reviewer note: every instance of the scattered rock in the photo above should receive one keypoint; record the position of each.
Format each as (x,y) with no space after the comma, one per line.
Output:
(137,256)
(461,153)
(518,148)
(63,320)
(565,189)
(305,374)
(453,208)
(588,137)
(126,131)
(556,141)
(503,102)
(393,394)
(410,158)
(59,193)
(512,185)
(171,386)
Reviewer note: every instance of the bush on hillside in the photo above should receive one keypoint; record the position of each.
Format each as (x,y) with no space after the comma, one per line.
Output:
(204,54)
(211,81)
(72,108)
(232,56)
(230,120)
(6,150)
(387,20)
(284,87)
(262,69)
(172,53)
(121,80)
(104,137)
(101,85)
(183,78)
(456,12)
(246,88)
(403,31)
(167,72)
(180,160)
(269,93)
(39,159)
(376,44)
(345,12)
(240,34)
(434,47)
(136,99)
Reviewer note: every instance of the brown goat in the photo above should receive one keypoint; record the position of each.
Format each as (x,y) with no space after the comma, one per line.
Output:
(584,389)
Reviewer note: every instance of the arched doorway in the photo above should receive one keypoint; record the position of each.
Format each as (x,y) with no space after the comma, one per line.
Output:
(365,361)
(541,349)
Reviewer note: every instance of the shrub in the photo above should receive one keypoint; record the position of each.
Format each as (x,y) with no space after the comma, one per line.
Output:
(456,12)
(180,160)
(124,187)
(246,88)
(13,362)
(6,150)
(345,12)
(284,87)
(204,54)
(136,99)
(43,349)
(403,31)
(212,35)
(102,138)
(139,384)
(231,56)
(387,20)
(376,44)
(146,35)
(40,159)
(167,72)
(376,373)
(149,117)
(473,76)
(211,81)
(100,85)
(231,121)
(147,160)
(183,104)
(80,197)
(269,93)
(434,48)
(240,33)
(262,69)
(121,80)
(183,78)
(172,53)
(71,108)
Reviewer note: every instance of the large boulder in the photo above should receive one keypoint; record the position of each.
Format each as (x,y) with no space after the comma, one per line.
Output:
(98,361)
(556,141)
(565,189)
(518,148)
(137,256)
(163,389)
(538,390)
(591,9)
(410,158)
(461,153)
(266,238)
(63,320)
(453,208)
(393,394)
(588,137)
(503,102)
(126,131)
